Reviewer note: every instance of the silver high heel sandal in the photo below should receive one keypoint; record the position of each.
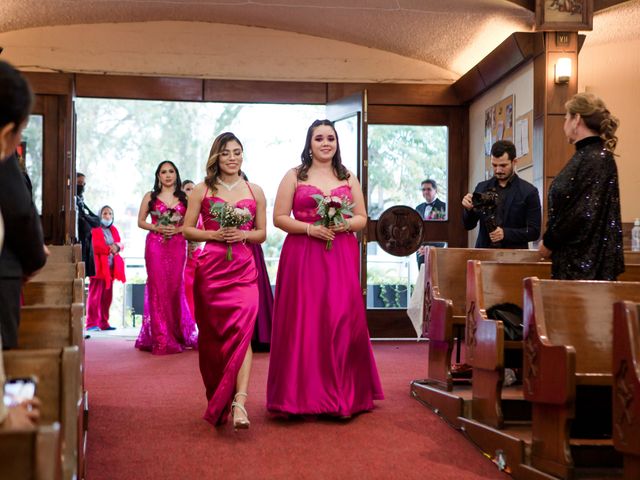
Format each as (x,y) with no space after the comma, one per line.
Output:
(240,423)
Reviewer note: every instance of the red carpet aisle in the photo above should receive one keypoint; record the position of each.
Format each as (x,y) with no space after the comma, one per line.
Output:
(145,423)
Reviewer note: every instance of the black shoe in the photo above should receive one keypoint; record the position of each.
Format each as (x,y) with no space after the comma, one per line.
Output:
(108,328)
(87,336)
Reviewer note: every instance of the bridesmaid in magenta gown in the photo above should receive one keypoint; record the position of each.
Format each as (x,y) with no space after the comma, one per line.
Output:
(321,356)
(226,291)
(193,251)
(167,324)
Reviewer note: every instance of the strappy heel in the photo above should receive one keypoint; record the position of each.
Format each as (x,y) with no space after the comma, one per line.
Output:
(240,423)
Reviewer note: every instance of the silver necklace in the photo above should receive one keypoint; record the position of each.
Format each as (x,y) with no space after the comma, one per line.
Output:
(229,187)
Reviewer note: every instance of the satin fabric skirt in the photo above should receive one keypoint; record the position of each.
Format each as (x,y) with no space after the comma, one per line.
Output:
(226,305)
(167,324)
(189,272)
(262,330)
(321,357)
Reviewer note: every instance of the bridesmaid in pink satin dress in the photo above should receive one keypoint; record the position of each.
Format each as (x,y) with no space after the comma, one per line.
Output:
(321,356)
(226,291)
(193,251)
(167,325)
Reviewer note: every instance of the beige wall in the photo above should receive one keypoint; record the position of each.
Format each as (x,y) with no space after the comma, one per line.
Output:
(196,49)
(612,71)
(520,85)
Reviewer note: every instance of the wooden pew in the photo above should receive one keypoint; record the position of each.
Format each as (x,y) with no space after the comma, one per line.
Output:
(31,454)
(488,284)
(445,299)
(51,326)
(60,271)
(631,257)
(58,389)
(626,385)
(53,292)
(567,368)
(64,253)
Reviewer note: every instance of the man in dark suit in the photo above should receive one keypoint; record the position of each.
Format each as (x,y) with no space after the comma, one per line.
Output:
(432,208)
(510,216)
(86,221)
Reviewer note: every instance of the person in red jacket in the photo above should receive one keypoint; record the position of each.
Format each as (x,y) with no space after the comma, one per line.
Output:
(109,267)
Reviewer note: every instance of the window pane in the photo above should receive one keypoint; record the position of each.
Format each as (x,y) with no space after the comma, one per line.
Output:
(402,156)
(390,279)
(347,130)
(32,137)
(120,143)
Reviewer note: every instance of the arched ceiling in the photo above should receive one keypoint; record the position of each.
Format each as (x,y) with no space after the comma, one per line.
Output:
(451,34)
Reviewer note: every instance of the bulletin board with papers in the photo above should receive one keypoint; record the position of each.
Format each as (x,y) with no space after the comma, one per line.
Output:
(523,139)
(498,125)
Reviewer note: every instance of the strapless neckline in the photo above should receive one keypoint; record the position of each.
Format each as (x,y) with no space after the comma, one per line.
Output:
(322,191)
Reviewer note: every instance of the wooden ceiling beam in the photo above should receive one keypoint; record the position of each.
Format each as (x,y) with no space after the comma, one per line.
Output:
(528,4)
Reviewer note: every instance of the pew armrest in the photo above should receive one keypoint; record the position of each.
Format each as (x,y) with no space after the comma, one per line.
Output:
(626,378)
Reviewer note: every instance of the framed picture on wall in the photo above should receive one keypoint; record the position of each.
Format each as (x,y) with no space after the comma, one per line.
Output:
(567,15)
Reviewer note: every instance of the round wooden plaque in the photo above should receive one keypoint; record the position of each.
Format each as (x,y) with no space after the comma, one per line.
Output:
(399,230)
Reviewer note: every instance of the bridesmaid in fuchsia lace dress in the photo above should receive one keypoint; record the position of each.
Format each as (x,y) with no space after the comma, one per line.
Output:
(167,324)
(225,283)
(321,357)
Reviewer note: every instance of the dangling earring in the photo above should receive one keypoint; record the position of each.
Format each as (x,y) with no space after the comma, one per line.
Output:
(310,154)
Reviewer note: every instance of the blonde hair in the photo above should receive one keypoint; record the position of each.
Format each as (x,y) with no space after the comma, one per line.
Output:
(596,117)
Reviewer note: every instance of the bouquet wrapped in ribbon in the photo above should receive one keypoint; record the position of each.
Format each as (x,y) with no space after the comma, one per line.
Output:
(169,217)
(228,215)
(333,210)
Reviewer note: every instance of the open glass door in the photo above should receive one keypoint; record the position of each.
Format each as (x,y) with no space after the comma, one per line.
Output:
(349,115)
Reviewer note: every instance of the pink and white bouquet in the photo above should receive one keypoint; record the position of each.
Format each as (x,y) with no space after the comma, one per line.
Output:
(169,217)
(333,210)
(228,215)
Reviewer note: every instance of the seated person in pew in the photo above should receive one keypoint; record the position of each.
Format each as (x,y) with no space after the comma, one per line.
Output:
(17,417)
(23,252)
(109,268)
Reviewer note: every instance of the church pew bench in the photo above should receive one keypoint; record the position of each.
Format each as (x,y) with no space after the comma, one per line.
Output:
(54,292)
(56,371)
(31,454)
(51,326)
(64,253)
(445,297)
(631,257)
(60,271)
(567,367)
(626,385)
(488,284)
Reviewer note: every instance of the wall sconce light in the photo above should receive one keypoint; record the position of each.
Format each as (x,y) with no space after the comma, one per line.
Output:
(563,70)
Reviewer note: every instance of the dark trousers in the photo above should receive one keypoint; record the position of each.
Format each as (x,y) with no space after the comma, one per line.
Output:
(10,289)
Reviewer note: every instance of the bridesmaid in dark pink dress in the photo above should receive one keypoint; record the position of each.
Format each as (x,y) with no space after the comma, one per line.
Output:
(321,357)
(193,251)
(167,324)
(226,291)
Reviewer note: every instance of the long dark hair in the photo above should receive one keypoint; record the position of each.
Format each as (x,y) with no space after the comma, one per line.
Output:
(16,97)
(157,188)
(213,168)
(339,169)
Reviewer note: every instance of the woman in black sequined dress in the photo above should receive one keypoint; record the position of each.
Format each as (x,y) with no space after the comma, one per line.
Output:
(584,229)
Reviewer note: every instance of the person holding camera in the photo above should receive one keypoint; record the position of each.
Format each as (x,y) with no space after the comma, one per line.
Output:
(507,207)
